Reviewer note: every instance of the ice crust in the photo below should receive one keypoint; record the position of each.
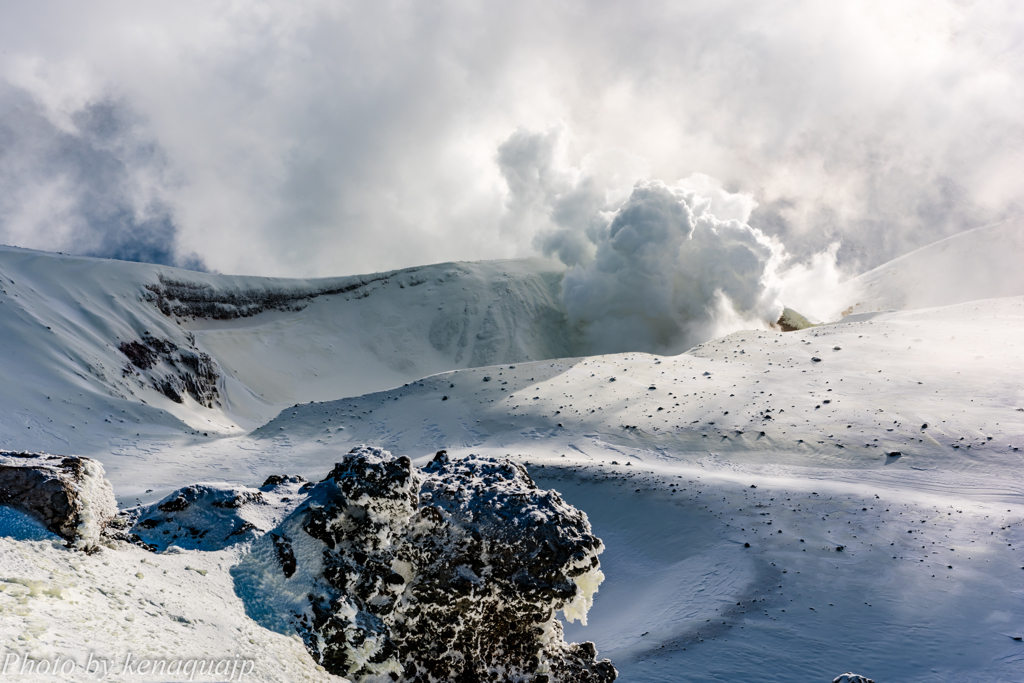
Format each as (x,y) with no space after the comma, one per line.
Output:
(452,572)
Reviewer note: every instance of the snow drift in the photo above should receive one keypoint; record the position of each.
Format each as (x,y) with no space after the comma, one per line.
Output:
(453,572)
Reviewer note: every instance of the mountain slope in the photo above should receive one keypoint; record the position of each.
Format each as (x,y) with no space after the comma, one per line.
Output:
(775,506)
(983,263)
(97,350)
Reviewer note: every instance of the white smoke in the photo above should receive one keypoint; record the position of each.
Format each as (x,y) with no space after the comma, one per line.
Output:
(661,268)
(668,274)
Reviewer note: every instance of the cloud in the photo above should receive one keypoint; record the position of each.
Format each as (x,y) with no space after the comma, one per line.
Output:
(92,186)
(658,269)
(320,138)
(667,274)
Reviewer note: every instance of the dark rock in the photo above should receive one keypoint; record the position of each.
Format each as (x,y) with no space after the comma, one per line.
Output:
(209,517)
(67,494)
(450,573)
(181,298)
(851,678)
(279,479)
(285,554)
(173,370)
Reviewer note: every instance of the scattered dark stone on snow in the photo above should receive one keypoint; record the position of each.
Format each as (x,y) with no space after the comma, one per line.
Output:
(67,494)
(450,573)
(894,454)
(815,359)
(746,545)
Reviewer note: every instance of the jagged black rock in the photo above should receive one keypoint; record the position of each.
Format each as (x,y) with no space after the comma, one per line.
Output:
(450,573)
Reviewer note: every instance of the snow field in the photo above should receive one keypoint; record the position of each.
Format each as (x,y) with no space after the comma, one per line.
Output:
(898,436)
(174,606)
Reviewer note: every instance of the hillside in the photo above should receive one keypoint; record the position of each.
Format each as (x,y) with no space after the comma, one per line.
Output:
(97,351)
(983,263)
(773,506)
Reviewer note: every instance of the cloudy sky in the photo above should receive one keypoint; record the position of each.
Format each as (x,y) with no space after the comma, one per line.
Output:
(311,139)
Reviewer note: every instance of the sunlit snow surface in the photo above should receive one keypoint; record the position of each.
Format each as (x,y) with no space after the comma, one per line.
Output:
(929,584)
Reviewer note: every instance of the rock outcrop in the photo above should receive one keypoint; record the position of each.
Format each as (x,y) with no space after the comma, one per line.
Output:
(68,494)
(175,371)
(851,678)
(450,573)
(214,516)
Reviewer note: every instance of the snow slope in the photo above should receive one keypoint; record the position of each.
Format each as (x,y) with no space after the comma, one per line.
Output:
(887,448)
(68,385)
(983,263)
(928,584)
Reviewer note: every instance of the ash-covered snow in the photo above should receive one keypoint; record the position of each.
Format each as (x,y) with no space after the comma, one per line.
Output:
(453,572)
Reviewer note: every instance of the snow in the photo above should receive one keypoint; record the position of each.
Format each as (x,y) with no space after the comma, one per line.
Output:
(983,263)
(928,584)
(98,504)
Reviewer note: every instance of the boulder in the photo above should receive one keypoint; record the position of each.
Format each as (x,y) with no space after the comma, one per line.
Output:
(454,572)
(214,516)
(69,495)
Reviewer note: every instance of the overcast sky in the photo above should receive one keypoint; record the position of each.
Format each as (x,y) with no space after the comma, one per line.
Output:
(312,139)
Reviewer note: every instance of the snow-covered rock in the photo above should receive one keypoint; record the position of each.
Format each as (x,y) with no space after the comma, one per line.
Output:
(67,494)
(171,369)
(213,516)
(851,678)
(453,572)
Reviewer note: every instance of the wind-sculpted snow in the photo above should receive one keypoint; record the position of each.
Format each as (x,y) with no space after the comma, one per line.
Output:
(454,572)
(67,494)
